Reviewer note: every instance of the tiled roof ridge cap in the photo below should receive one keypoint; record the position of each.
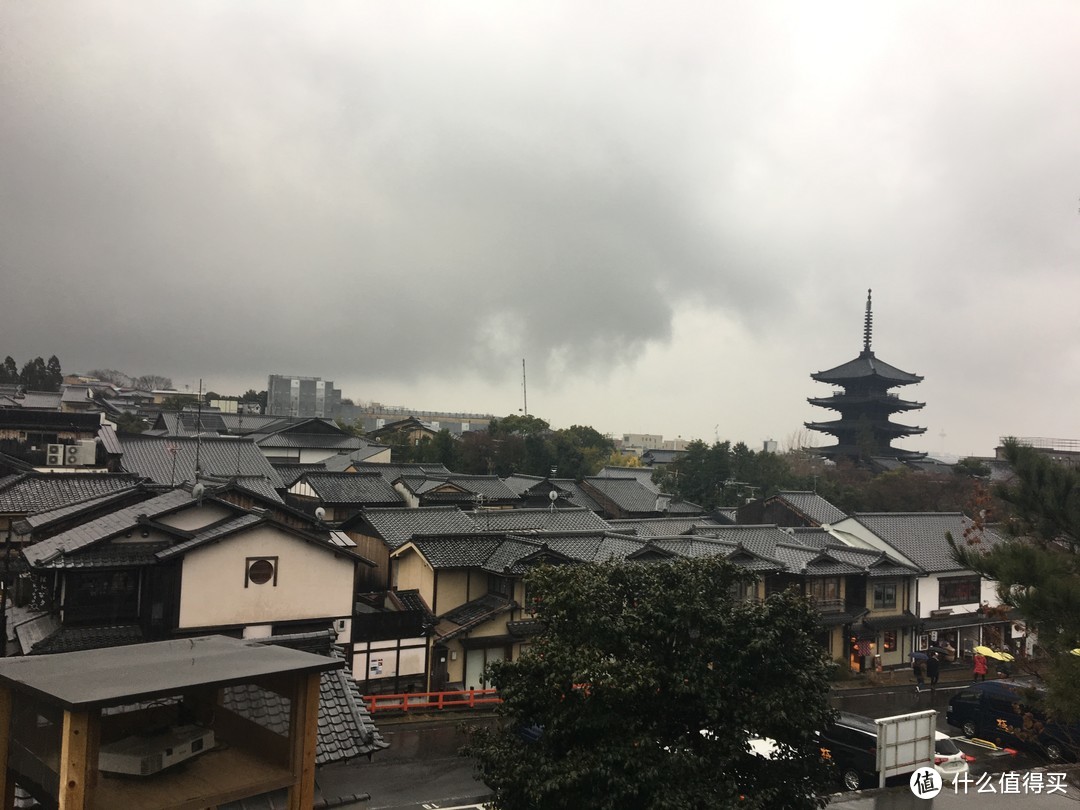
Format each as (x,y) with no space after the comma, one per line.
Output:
(906,514)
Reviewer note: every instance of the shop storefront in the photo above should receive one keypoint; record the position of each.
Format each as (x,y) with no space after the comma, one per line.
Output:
(960,633)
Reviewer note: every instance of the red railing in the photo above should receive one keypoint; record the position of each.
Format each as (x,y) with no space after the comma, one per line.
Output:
(427,701)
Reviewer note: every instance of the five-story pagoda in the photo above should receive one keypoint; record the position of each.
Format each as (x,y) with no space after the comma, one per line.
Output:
(863,430)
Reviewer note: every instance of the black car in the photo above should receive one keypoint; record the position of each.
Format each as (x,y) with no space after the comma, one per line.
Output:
(1010,713)
(850,745)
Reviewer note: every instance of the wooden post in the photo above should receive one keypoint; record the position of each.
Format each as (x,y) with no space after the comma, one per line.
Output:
(303,736)
(78,760)
(7,786)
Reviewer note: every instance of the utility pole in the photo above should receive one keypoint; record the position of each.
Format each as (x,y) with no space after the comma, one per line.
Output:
(524,389)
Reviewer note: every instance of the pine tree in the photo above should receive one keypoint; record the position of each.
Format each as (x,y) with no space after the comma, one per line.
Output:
(9,371)
(34,376)
(54,377)
(1038,570)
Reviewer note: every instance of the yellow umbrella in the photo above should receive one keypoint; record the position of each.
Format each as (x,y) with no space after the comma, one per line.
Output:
(997,656)
(1075,651)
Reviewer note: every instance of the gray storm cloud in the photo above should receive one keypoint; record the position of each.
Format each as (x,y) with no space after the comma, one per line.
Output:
(406,192)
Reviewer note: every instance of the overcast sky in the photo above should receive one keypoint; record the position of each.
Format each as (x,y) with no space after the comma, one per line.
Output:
(672,211)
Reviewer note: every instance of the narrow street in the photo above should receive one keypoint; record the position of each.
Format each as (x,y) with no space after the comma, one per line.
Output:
(422,769)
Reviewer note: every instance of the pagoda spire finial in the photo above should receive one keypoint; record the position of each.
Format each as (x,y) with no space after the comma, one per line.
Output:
(868,325)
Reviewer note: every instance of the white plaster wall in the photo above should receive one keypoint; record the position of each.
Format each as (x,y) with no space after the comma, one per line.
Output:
(929,593)
(311,583)
(302,488)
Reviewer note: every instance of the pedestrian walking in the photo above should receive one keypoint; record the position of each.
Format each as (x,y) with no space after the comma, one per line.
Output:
(919,668)
(979,670)
(933,670)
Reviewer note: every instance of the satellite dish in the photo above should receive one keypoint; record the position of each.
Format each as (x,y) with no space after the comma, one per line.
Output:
(320,513)
(197,491)
(553,496)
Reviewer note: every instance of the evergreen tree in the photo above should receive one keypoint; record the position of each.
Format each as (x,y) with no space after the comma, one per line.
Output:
(1038,568)
(54,376)
(34,375)
(9,371)
(643,687)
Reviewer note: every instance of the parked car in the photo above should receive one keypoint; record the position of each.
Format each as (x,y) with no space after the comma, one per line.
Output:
(850,744)
(949,761)
(1008,713)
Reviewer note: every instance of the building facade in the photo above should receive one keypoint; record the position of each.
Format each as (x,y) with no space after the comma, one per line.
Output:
(302,396)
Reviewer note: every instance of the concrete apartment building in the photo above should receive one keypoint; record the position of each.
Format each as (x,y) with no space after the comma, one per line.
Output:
(302,396)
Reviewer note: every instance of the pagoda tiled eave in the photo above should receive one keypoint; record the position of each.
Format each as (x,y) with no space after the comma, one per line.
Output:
(852,450)
(840,427)
(889,403)
(866,365)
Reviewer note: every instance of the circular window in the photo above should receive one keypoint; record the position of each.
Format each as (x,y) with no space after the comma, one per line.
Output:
(260,572)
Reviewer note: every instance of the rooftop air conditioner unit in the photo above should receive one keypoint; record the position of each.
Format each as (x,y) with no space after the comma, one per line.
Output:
(54,455)
(71,454)
(146,754)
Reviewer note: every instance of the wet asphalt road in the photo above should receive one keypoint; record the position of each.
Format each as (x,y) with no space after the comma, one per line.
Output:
(422,769)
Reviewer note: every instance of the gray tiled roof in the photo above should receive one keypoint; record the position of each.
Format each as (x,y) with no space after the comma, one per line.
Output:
(586,547)
(396,526)
(676,506)
(626,493)
(39,492)
(457,551)
(866,365)
(728,513)
(45,518)
(74,639)
(613,547)
(421,485)
(812,505)
(342,461)
(255,484)
(547,520)
(577,495)
(317,440)
(875,563)
(811,562)
(351,488)
(643,475)
(491,487)
(109,555)
(759,539)
(392,472)
(522,483)
(660,527)
(345,730)
(472,614)
(920,536)
(106,526)
(701,546)
(290,473)
(810,536)
(110,441)
(151,457)
(460,488)
(510,553)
